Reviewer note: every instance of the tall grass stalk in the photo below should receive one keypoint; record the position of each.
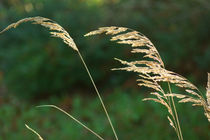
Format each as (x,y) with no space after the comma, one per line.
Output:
(58,31)
(99,96)
(152,72)
(178,127)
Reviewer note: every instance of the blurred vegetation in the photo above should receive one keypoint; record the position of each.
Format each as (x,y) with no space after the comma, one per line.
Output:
(35,67)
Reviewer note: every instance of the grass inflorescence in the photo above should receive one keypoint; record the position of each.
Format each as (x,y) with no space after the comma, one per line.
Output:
(150,69)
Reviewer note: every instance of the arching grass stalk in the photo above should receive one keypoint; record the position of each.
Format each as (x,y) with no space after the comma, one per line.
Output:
(57,31)
(76,120)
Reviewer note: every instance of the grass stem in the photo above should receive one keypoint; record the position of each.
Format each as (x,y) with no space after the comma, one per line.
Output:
(176,114)
(76,120)
(99,96)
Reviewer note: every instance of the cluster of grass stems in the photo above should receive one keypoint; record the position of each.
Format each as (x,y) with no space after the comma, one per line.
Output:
(150,70)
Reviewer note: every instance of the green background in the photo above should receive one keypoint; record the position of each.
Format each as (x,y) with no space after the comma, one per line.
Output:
(36,69)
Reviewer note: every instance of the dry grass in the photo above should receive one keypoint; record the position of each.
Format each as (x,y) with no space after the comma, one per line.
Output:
(152,72)
(57,31)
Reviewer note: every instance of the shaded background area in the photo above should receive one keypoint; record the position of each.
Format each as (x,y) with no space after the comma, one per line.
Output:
(37,69)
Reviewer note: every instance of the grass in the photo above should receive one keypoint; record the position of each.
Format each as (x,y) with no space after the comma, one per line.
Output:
(151,72)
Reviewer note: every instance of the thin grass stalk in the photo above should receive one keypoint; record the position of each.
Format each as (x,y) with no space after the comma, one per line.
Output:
(169,103)
(176,114)
(99,96)
(87,128)
(32,130)
(174,118)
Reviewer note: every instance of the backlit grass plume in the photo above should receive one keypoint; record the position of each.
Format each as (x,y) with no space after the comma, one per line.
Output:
(152,72)
(57,31)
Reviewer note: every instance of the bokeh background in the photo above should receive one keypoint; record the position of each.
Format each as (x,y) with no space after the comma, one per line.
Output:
(36,69)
